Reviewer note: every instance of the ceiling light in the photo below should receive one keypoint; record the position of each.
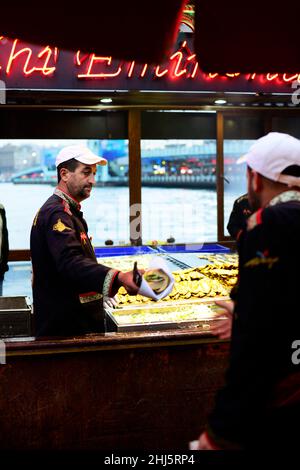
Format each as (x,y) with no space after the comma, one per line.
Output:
(220,101)
(106,100)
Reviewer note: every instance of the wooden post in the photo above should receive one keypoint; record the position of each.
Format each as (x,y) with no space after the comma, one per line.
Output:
(220,175)
(135,177)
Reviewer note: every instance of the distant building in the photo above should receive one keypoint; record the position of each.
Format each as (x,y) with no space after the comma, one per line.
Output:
(7,160)
(26,156)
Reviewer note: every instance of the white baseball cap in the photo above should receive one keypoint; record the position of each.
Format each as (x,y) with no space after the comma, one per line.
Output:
(272,154)
(80,153)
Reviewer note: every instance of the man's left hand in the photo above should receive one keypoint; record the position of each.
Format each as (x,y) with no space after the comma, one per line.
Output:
(110,302)
(203,443)
(222,328)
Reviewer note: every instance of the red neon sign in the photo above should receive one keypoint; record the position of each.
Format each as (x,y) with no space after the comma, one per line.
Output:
(181,64)
(143,72)
(45,54)
(93,62)
(130,70)
(179,56)
(159,74)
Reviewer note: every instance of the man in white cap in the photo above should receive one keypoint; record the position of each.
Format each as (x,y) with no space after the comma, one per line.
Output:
(68,283)
(259,406)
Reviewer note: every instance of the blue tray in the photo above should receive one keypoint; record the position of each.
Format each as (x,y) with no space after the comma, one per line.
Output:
(194,248)
(123,250)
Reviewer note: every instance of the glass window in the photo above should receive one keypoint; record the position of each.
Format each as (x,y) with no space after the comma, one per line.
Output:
(28,177)
(240,132)
(179,190)
(235,180)
(179,199)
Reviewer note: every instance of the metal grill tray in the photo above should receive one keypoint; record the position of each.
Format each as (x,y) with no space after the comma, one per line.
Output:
(203,323)
(194,260)
(173,263)
(189,260)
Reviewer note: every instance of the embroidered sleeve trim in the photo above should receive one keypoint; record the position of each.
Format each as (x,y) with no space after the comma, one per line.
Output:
(108,282)
(89,297)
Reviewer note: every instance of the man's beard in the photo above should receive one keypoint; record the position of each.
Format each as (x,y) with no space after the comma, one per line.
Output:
(79,194)
(254,200)
(83,193)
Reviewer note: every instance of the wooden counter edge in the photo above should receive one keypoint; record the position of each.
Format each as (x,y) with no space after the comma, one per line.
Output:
(108,341)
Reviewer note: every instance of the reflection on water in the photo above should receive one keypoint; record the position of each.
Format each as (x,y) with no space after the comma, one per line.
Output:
(188,215)
(17,281)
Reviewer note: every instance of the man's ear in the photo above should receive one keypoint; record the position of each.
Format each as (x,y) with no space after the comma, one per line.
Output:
(257,182)
(64,174)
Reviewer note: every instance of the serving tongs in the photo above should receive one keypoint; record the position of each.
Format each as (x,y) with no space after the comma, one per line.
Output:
(137,277)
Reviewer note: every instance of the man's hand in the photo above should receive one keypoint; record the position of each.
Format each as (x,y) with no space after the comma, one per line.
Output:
(126,280)
(110,302)
(222,328)
(203,443)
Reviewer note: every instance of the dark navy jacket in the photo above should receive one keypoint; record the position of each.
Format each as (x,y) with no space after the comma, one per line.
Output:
(68,283)
(4,244)
(239,215)
(266,323)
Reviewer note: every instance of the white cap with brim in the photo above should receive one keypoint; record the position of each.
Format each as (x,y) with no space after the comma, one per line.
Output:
(80,153)
(272,154)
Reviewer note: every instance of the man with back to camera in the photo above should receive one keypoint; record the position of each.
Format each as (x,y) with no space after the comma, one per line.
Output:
(68,283)
(238,217)
(259,405)
(4,247)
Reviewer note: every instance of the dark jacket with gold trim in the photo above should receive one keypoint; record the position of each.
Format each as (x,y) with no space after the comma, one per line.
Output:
(68,283)
(238,217)
(4,244)
(265,325)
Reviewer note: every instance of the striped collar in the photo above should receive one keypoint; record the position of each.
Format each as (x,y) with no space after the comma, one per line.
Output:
(66,197)
(287,196)
(256,218)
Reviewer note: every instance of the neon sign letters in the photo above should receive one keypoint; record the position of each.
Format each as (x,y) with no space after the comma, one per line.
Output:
(182,64)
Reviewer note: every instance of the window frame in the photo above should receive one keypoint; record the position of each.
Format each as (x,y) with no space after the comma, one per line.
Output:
(134,149)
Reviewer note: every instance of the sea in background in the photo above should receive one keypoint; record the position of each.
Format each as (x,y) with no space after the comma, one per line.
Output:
(188,215)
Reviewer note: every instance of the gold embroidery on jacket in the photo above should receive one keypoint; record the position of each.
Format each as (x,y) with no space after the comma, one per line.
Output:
(256,261)
(36,217)
(60,226)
